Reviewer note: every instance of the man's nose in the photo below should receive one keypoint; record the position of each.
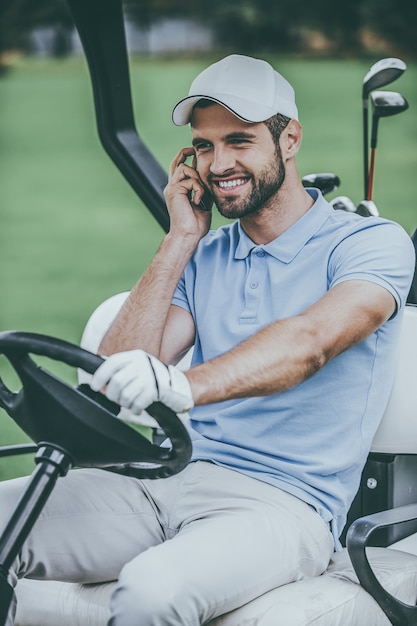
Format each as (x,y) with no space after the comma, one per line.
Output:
(223,160)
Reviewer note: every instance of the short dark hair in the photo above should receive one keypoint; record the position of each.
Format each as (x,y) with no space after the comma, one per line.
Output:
(204,103)
(275,124)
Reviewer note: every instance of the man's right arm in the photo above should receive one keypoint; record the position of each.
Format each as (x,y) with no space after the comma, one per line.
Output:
(147,319)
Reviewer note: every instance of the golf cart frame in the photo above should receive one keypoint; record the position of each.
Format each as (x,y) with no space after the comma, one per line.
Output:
(101,29)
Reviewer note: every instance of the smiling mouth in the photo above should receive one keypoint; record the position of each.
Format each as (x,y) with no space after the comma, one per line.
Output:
(231,184)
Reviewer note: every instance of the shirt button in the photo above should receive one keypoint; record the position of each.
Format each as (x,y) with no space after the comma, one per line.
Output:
(260,253)
(253,284)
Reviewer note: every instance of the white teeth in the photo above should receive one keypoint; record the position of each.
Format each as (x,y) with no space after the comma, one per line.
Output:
(228,184)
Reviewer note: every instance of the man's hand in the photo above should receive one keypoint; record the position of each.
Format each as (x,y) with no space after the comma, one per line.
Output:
(136,379)
(183,194)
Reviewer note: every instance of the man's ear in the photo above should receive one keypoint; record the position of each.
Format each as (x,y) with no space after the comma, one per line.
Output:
(291,138)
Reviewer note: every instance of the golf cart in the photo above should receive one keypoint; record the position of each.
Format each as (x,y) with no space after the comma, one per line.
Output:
(365,585)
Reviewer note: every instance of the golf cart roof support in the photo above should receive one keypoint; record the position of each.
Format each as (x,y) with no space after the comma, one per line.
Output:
(101,29)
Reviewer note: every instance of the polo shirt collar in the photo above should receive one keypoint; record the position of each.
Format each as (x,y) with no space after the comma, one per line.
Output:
(286,247)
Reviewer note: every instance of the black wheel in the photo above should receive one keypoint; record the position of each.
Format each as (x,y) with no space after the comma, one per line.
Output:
(81,421)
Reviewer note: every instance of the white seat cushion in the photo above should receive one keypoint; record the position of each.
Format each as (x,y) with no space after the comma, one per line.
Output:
(333,599)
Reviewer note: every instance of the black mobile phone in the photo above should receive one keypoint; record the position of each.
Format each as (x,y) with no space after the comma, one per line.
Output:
(205,202)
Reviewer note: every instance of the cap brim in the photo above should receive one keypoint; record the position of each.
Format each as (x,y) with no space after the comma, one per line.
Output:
(243,109)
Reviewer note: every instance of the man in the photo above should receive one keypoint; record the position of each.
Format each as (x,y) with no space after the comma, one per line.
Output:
(294,311)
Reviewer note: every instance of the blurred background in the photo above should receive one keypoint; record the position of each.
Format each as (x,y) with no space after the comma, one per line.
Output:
(72,232)
(328,27)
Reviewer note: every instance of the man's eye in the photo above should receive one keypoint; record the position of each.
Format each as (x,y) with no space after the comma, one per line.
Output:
(239,141)
(202,146)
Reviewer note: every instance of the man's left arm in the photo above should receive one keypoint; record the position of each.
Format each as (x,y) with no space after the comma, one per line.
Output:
(289,351)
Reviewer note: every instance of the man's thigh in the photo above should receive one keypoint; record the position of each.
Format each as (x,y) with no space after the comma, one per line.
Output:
(236,539)
(92,524)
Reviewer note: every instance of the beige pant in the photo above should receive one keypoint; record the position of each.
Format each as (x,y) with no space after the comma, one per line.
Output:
(185,549)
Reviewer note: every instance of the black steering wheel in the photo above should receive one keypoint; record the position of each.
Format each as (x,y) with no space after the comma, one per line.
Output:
(80,421)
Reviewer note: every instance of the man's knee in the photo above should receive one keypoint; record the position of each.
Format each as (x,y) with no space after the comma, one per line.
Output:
(153,596)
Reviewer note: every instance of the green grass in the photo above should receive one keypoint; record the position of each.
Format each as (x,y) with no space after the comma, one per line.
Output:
(72,232)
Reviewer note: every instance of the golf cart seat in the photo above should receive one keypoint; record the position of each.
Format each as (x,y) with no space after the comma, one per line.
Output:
(333,599)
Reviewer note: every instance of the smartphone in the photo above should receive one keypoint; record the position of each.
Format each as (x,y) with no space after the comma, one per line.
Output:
(206,201)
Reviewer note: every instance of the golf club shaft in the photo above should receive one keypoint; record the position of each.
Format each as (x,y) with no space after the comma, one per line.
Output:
(371,170)
(365,145)
(371,175)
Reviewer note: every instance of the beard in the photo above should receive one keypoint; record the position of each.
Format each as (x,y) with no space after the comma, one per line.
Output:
(264,187)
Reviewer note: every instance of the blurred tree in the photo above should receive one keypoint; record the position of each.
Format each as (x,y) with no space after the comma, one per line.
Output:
(19,17)
(339,21)
(144,12)
(10,36)
(396,20)
(141,11)
(256,24)
(50,13)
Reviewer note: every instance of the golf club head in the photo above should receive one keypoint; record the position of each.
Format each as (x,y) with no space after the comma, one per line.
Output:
(343,203)
(387,103)
(367,208)
(325,181)
(382,73)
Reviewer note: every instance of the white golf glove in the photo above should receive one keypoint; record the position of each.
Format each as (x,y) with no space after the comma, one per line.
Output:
(135,379)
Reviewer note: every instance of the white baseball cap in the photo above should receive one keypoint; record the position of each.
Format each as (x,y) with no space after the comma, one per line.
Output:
(250,88)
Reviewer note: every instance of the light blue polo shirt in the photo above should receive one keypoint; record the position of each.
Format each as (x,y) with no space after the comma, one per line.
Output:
(312,440)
